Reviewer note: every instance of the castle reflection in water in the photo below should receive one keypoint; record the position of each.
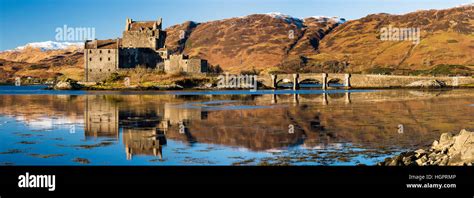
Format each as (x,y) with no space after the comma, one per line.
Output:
(371,120)
(145,126)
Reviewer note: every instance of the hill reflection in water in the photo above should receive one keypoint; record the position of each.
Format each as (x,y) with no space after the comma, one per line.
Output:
(330,129)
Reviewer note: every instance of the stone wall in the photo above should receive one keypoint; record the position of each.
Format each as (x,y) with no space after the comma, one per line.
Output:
(196,66)
(174,64)
(133,57)
(100,63)
(153,39)
(387,81)
(180,63)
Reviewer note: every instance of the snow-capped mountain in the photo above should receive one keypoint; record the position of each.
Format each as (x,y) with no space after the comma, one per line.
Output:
(50,45)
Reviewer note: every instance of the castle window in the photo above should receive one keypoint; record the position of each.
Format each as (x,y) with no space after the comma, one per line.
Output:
(100,70)
(90,59)
(90,51)
(90,70)
(100,59)
(100,51)
(109,58)
(109,70)
(109,51)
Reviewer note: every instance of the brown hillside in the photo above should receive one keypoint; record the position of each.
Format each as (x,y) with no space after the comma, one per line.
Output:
(446,38)
(284,44)
(52,64)
(257,41)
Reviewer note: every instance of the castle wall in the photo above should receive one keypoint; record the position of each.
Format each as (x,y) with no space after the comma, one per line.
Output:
(179,63)
(143,39)
(100,63)
(133,57)
(174,64)
(196,66)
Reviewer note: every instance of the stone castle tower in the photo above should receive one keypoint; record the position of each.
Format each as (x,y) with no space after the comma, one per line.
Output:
(146,34)
(142,44)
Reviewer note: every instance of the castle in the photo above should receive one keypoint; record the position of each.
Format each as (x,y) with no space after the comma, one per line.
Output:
(142,44)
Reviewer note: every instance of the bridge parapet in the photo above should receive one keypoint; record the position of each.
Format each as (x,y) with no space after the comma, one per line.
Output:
(388,81)
(358,80)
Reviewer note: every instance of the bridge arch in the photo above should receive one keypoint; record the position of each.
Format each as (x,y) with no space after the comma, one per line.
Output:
(309,83)
(335,82)
(324,79)
(285,82)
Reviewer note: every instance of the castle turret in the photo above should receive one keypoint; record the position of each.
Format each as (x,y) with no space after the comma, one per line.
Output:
(160,22)
(127,24)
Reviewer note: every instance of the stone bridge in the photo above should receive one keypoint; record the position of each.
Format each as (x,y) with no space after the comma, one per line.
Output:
(356,80)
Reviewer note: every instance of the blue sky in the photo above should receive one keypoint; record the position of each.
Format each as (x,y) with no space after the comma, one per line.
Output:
(34,20)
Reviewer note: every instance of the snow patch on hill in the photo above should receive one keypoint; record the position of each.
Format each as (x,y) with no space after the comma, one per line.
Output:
(328,19)
(289,19)
(299,22)
(50,45)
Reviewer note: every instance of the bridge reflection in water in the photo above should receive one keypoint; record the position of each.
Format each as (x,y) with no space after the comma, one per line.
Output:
(323,98)
(263,122)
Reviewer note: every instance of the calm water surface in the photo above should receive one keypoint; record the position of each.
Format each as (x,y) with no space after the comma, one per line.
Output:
(283,127)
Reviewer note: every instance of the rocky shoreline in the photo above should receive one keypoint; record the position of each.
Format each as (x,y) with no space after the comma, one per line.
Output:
(449,150)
